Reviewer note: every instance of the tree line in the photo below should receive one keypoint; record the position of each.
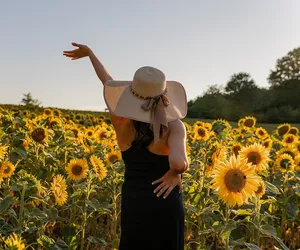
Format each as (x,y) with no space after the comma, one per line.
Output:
(277,103)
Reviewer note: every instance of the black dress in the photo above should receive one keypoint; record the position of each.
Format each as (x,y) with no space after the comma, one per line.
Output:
(149,222)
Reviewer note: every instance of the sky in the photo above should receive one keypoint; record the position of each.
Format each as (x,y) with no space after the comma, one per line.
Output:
(198,43)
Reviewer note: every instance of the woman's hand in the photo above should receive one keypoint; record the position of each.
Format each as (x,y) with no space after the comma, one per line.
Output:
(169,181)
(82,51)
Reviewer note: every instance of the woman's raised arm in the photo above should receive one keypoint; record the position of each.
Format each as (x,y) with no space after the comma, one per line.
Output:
(84,51)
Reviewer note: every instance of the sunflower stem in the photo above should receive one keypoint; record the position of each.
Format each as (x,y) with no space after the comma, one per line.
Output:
(257,212)
(227,220)
(22,205)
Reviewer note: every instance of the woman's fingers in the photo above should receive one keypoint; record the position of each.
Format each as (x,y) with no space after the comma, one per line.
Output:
(162,190)
(168,192)
(158,180)
(159,187)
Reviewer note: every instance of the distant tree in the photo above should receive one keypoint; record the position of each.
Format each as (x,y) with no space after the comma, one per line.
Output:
(27,100)
(213,89)
(287,68)
(239,82)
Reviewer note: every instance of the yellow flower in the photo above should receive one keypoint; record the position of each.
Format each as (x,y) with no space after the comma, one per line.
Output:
(289,140)
(267,143)
(39,135)
(261,132)
(113,156)
(8,169)
(236,148)
(261,189)
(256,154)
(55,122)
(292,151)
(201,133)
(59,189)
(249,121)
(282,129)
(294,131)
(285,163)
(3,151)
(98,167)
(47,112)
(101,135)
(77,169)
(235,180)
(14,241)
(241,122)
(89,133)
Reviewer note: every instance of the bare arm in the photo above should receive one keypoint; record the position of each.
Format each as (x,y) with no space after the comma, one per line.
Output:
(177,147)
(101,71)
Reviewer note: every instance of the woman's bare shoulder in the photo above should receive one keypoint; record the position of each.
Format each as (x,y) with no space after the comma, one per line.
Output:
(177,126)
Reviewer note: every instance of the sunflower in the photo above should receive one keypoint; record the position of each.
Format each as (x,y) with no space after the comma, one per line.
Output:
(261,132)
(113,157)
(8,169)
(267,143)
(3,151)
(77,169)
(285,162)
(289,140)
(14,241)
(59,189)
(241,122)
(220,154)
(256,154)
(201,133)
(249,122)
(57,113)
(294,131)
(48,112)
(55,122)
(282,129)
(235,180)
(101,135)
(98,167)
(292,151)
(26,142)
(89,133)
(236,148)
(261,189)
(39,135)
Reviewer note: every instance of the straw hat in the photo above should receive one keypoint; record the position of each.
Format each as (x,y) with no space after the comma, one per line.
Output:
(147,98)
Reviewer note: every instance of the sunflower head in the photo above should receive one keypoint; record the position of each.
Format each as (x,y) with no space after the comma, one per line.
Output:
(7,169)
(59,189)
(14,241)
(241,122)
(201,133)
(3,151)
(249,122)
(113,157)
(77,169)
(47,112)
(236,148)
(294,131)
(57,113)
(285,163)
(261,189)
(55,122)
(292,151)
(282,129)
(267,143)
(261,132)
(39,135)
(98,167)
(234,180)
(257,155)
(289,140)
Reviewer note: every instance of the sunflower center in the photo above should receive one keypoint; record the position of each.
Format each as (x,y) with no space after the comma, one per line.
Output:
(266,144)
(77,170)
(261,132)
(249,123)
(201,132)
(289,139)
(236,149)
(6,170)
(283,130)
(259,189)
(38,135)
(235,180)
(254,158)
(284,163)
(113,158)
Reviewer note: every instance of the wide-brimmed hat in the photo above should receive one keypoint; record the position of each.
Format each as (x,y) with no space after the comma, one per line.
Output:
(147,98)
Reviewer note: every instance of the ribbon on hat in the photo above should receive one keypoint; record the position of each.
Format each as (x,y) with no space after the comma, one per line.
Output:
(157,106)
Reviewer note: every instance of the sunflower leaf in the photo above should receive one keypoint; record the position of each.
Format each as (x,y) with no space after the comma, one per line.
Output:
(252,246)
(5,203)
(271,188)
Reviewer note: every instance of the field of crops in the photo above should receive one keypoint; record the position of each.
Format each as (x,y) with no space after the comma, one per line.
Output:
(61,175)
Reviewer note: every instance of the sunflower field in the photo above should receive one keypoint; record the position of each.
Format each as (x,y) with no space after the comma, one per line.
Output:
(61,175)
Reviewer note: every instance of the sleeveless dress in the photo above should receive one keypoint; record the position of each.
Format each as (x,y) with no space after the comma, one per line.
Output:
(149,222)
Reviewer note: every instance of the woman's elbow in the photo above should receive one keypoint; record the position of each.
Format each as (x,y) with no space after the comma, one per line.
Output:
(179,165)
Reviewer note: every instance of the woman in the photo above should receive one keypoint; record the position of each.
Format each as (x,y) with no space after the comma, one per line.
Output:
(146,113)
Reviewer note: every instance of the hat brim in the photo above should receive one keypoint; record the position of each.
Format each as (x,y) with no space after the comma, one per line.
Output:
(121,102)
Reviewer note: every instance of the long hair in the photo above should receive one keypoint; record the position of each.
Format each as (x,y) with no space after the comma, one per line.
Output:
(144,135)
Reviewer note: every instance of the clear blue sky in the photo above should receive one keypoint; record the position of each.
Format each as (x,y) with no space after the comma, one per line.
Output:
(198,43)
